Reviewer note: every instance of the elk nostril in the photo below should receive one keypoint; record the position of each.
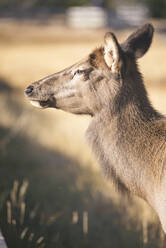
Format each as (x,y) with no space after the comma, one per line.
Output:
(29,90)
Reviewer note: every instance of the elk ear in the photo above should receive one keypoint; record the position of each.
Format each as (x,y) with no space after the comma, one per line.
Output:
(111,52)
(139,42)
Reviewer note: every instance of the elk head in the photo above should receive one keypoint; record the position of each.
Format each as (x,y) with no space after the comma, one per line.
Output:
(93,83)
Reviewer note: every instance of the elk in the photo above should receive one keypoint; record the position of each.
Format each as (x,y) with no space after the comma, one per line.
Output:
(127,135)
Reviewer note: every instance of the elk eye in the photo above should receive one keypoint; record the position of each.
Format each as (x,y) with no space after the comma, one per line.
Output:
(78,72)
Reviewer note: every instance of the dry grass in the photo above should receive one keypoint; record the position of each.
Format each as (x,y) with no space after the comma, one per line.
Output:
(29,52)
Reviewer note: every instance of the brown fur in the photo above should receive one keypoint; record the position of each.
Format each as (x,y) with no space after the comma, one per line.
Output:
(96,58)
(127,135)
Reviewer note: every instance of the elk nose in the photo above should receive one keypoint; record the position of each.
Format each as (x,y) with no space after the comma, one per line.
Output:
(29,90)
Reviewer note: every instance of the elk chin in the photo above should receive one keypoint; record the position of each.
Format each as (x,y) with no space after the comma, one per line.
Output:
(40,104)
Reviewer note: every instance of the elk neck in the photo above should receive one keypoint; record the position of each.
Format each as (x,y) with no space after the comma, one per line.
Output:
(120,137)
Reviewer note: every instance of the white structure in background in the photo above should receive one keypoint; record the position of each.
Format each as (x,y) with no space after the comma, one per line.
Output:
(86,17)
(2,241)
(133,15)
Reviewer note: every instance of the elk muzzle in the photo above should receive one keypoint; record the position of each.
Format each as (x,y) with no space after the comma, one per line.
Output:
(39,101)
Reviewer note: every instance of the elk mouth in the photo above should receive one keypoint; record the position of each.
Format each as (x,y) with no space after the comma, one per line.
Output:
(45,101)
(41,104)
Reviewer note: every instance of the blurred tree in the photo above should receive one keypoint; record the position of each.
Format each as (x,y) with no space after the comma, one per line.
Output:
(42,3)
(76,2)
(108,3)
(157,7)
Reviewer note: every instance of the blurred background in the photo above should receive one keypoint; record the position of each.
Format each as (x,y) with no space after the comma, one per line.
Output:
(51,191)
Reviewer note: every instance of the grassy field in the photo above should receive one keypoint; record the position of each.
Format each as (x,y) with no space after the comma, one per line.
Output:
(30,51)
